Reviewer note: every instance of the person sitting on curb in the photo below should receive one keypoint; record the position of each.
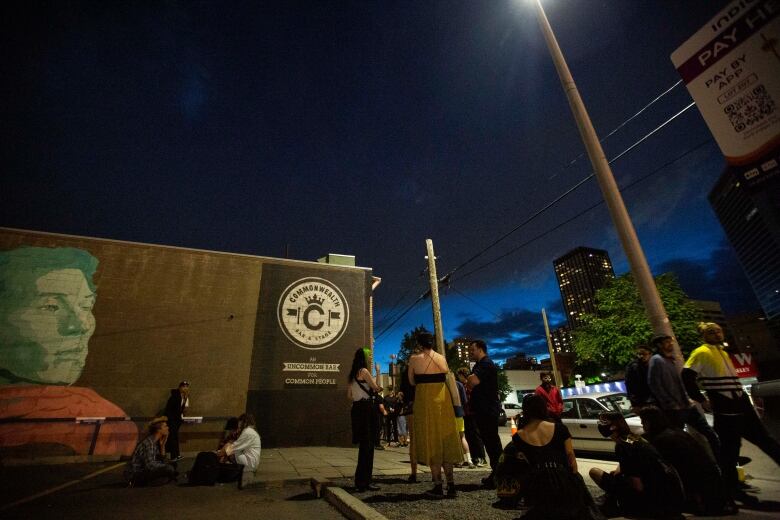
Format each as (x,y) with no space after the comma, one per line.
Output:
(643,484)
(701,477)
(246,449)
(147,465)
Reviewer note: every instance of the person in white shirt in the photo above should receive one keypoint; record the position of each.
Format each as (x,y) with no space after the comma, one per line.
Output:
(246,449)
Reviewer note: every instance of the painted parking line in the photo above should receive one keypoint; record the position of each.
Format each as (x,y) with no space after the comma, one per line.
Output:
(61,486)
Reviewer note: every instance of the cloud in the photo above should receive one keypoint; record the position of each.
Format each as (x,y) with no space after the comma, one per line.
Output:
(720,278)
(515,331)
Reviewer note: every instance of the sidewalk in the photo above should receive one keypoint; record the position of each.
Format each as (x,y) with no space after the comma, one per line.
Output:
(86,487)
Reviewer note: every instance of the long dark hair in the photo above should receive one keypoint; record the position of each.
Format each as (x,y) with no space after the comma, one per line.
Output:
(534,408)
(358,362)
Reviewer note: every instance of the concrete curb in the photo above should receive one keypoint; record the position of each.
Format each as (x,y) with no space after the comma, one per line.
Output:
(349,506)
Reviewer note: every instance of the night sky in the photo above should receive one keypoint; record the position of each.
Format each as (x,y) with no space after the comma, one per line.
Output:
(364,128)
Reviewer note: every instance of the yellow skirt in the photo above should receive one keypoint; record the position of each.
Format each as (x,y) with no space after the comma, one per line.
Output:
(436,437)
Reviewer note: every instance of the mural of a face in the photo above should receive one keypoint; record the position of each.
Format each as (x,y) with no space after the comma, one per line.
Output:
(46,320)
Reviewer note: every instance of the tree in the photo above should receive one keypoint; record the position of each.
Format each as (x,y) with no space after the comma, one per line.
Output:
(504,388)
(607,340)
(408,343)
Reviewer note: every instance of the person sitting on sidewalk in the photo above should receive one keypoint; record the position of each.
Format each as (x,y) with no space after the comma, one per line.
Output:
(147,465)
(643,484)
(246,449)
(701,477)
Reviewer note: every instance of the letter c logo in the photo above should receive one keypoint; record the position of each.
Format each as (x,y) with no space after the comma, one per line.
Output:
(308,311)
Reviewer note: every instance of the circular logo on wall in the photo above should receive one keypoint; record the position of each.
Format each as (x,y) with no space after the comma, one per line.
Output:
(313,313)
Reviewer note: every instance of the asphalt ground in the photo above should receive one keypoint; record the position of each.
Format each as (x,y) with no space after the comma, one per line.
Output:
(106,496)
(94,490)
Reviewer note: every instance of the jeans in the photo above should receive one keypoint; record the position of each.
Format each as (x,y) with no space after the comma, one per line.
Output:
(488,430)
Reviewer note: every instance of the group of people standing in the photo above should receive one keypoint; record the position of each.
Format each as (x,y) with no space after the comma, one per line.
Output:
(448,418)
(665,393)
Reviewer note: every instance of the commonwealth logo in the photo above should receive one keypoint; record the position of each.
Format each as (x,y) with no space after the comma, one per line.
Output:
(313,313)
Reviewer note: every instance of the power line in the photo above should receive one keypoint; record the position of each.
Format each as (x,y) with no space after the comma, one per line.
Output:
(567,192)
(397,319)
(624,123)
(475,302)
(581,213)
(551,204)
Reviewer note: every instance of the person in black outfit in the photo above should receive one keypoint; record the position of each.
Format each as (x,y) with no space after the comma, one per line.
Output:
(484,402)
(704,488)
(362,392)
(174,409)
(548,477)
(636,377)
(643,484)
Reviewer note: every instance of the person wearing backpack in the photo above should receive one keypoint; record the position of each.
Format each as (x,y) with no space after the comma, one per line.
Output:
(147,465)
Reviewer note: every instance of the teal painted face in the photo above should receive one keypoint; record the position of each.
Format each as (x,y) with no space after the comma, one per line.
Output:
(47,321)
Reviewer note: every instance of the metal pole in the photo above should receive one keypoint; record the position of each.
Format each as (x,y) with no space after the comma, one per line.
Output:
(643,278)
(556,373)
(434,281)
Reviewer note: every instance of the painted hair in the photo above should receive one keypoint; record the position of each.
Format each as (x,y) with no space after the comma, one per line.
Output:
(21,267)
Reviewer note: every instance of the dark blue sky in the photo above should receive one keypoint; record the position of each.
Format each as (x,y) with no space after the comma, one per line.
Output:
(363,128)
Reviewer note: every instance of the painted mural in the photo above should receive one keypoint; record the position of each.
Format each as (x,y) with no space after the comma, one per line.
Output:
(46,321)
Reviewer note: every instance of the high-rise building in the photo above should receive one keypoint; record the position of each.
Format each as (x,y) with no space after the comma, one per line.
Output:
(580,273)
(750,216)
(562,340)
(461,346)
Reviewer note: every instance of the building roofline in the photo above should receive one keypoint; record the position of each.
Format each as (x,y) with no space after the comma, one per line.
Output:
(179,248)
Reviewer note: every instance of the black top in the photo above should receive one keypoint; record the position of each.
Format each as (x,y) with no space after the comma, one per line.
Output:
(662,486)
(636,383)
(697,470)
(554,452)
(429,378)
(484,396)
(406,387)
(174,408)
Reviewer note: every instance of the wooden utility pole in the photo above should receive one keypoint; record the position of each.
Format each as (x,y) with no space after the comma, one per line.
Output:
(434,281)
(556,373)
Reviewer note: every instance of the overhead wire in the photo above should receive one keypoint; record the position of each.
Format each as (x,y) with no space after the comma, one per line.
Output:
(566,193)
(624,123)
(573,188)
(581,213)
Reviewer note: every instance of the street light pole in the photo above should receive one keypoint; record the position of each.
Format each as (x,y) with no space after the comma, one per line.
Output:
(643,278)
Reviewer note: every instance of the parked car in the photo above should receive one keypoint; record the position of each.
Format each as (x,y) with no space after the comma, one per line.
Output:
(581,413)
(766,399)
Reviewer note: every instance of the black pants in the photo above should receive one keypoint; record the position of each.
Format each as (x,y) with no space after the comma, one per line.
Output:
(172,444)
(154,477)
(488,430)
(365,427)
(731,429)
(474,440)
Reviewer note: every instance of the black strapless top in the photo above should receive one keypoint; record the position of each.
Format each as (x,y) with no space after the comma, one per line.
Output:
(429,378)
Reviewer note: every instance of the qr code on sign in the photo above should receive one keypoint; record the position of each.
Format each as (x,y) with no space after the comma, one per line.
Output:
(750,109)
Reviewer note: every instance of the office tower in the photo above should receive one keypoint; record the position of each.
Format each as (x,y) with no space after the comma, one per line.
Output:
(580,273)
(750,216)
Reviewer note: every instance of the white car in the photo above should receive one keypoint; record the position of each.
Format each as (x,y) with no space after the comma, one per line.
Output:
(581,413)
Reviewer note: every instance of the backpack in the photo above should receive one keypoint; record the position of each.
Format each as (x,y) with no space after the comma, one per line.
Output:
(205,471)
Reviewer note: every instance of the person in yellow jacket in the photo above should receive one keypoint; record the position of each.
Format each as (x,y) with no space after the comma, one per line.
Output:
(734,415)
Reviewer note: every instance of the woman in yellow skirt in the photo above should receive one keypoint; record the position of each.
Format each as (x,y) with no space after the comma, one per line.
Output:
(436,439)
